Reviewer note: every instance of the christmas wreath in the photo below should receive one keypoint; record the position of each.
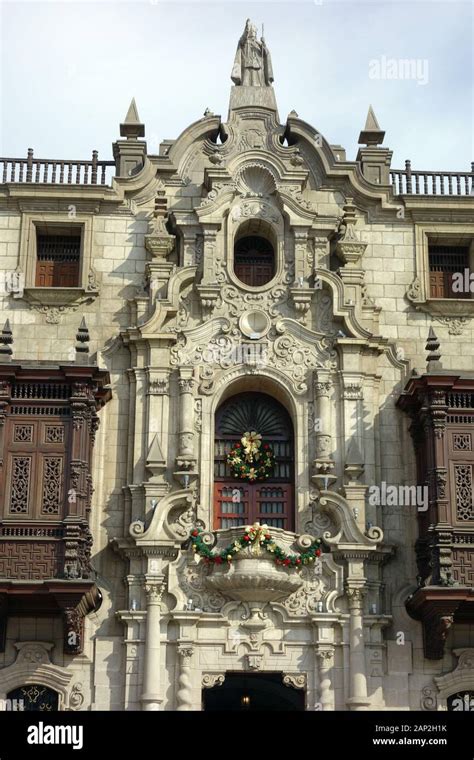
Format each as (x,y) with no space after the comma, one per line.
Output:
(250,459)
(259,536)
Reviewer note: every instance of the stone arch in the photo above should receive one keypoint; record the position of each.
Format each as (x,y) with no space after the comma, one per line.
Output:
(461,678)
(33,665)
(238,380)
(262,215)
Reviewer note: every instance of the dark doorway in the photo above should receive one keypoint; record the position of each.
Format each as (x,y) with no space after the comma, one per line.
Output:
(253,692)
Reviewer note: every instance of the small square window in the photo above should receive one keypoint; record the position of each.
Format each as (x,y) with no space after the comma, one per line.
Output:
(58,258)
(444,262)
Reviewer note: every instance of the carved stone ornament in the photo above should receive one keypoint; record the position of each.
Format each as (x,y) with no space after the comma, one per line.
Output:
(455,325)
(158,386)
(255,180)
(254,661)
(295,680)
(209,680)
(154,592)
(76,698)
(413,292)
(428,699)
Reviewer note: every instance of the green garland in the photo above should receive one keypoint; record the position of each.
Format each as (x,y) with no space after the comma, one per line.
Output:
(256,533)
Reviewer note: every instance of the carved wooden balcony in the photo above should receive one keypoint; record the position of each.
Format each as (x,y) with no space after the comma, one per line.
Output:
(441,406)
(48,422)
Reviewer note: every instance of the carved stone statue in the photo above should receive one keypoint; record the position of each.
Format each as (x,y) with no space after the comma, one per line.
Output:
(252,63)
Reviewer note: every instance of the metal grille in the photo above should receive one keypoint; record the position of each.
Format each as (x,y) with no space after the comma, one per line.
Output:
(59,247)
(448,258)
(445,261)
(36,697)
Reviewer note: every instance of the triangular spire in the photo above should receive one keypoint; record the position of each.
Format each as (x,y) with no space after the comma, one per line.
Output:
(6,339)
(132,116)
(82,343)
(371,134)
(155,461)
(132,127)
(371,123)
(433,360)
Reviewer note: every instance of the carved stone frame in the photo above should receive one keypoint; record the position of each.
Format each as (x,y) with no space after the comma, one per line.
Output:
(56,297)
(419,291)
(33,665)
(266,212)
(460,679)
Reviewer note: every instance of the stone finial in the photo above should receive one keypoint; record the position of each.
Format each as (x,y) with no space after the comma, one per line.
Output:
(82,343)
(6,339)
(371,134)
(433,360)
(132,128)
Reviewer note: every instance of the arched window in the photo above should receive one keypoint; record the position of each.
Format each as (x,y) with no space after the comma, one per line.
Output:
(269,501)
(254,260)
(35,697)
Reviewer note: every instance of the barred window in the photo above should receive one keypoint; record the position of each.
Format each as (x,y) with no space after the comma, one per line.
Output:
(58,260)
(444,262)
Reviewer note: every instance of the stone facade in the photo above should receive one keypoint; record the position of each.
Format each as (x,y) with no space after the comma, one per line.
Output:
(332,336)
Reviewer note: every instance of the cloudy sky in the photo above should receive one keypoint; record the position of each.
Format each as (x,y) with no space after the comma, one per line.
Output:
(70,69)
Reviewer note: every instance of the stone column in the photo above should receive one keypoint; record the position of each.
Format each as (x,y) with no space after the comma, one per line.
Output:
(186,413)
(358,679)
(323,464)
(325,658)
(184,695)
(151,697)
(139,421)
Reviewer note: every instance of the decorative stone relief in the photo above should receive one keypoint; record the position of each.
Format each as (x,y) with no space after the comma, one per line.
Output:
(209,680)
(324,316)
(295,680)
(218,189)
(455,325)
(428,699)
(254,661)
(198,414)
(192,577)
(76,698)
(255,209)
(320,521)
(413,292)
(352,391)
(158,387)
(366,299)
(285,352)
(319,584)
